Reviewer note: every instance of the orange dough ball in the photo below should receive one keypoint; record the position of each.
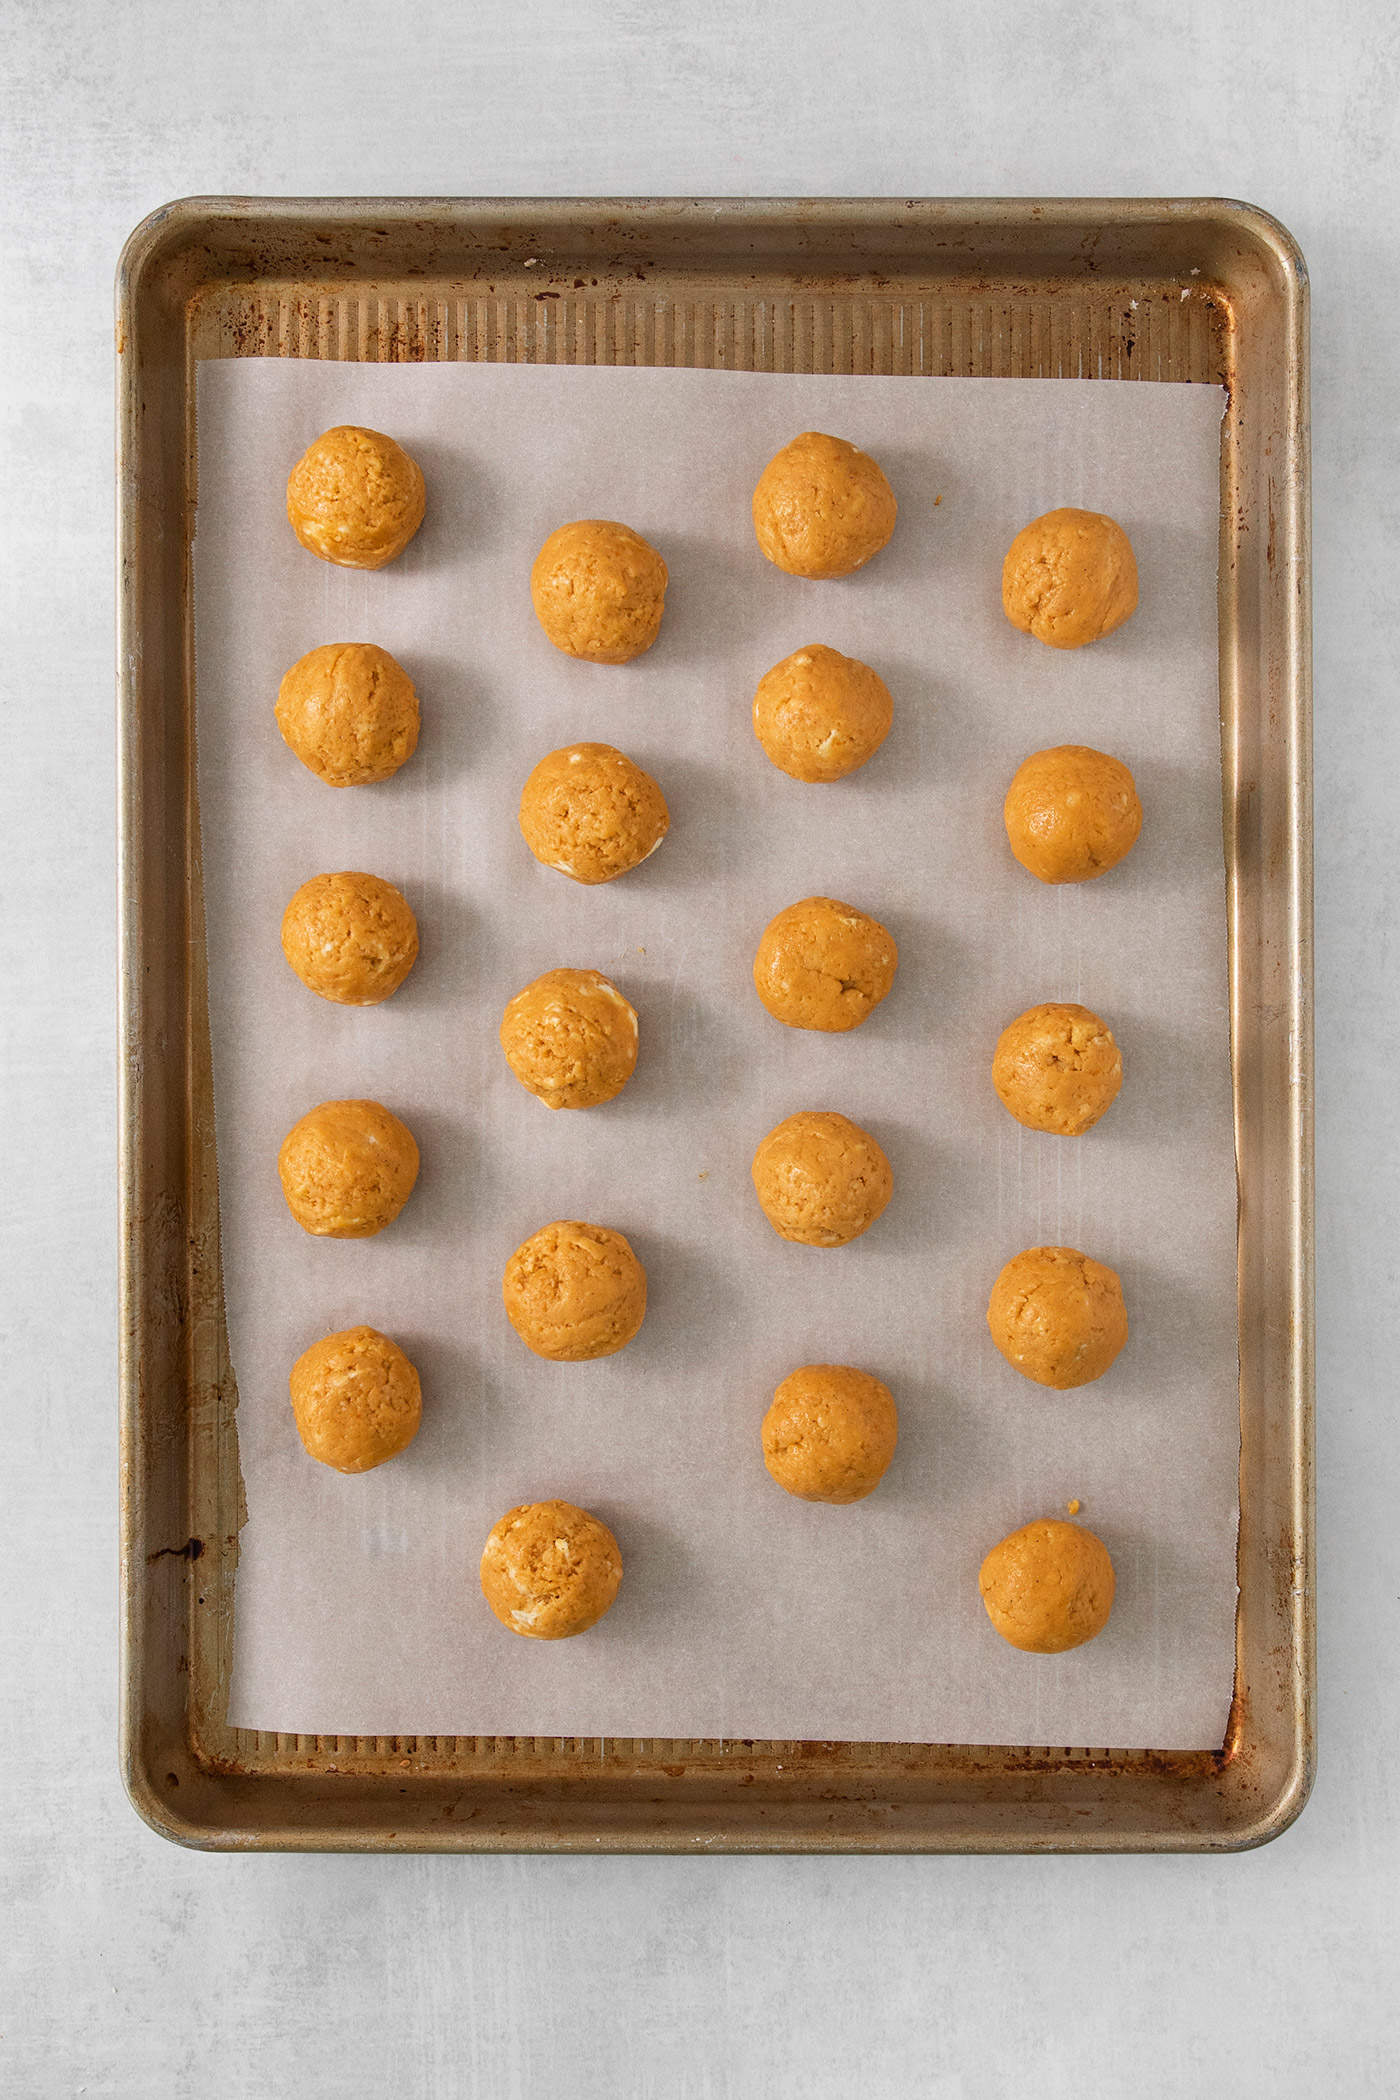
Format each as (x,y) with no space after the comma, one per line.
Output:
(355,497)
(1069,578)
(830,1433)
(599,591)
(822,508)
(1048,1587)
(347,1169)
(351,938)
(356,1399)
(550,1570)
(1058,1316)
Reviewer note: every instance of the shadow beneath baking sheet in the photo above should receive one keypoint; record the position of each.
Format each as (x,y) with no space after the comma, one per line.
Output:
(911,753)
(1162,1079)
(938,1447)
(912,555)
(1176,563)
(1171,1320)
(923,1204)
(1182,818)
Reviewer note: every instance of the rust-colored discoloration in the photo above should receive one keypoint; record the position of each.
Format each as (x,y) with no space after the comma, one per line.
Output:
(191,1550)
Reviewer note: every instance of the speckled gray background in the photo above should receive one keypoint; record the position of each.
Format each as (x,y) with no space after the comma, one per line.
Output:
(133,1970)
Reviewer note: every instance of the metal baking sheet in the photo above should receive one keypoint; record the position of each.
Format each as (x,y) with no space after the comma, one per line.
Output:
(1196,291)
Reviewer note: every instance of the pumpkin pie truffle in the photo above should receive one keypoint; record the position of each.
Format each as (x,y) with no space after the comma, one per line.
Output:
(824,965)
(355,497)
(356,1399)
(573,1292)
(347,1169)
(1071,813)
(822,508)
(351,938)
(349,712)
(570,1038)
(821,1179)
(830,1433)
(1057,1316)
(1069,578)
(550,1570)
(1057,1068)
(820,715)
(1048,1587)
(590,812)
(599,591)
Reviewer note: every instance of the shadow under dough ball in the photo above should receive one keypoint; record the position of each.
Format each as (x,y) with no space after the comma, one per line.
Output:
(1071,813)
(822,508)
(571,1038)
(550,1570)
(821,1180)
(820,715)
(355,497)
(599,590)
(824,965)
(1058,1316)
(591,813)
(349,712)
(574,1292)
(1057,1068)
(1069,577)
(351,938)
(347,1169)
(1048,1587)
(830,1433)
(356,1399)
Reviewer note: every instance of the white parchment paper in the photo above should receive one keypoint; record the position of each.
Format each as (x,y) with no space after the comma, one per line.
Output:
(742,1612)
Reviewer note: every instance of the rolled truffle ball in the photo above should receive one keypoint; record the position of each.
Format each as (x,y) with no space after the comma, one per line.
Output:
(821,1179)
(1048,1587)
(349,712)
(356,1399)
(830,1433)
(824,965)
(1072,813)
(1057,1068)
(347,1169)
(1069,578)
(351,938)
(570,1038)
(820,715)
(588,811)
(573,1292)
(822,508)
(599,591)
(550,1570)
(355,497)
(1057,1316)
